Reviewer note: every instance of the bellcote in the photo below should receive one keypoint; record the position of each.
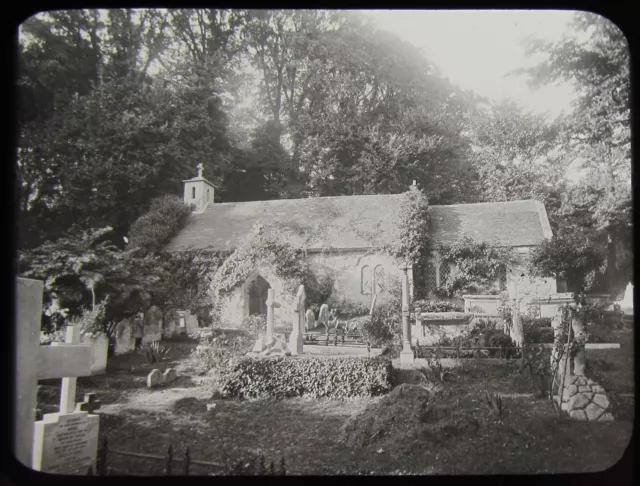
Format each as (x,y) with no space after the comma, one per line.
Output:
(198,191)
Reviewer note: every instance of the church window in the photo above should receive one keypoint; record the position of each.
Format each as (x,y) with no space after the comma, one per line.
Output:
(366,280)
(445,271)
(208,199)
(193,192)
(430,277)
(378,276)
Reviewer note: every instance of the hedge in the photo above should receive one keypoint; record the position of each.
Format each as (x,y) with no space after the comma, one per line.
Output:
(280,377)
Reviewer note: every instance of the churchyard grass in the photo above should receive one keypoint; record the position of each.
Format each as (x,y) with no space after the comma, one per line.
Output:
(529,438)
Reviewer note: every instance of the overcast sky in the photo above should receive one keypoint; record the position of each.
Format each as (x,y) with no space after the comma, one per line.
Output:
(476,49)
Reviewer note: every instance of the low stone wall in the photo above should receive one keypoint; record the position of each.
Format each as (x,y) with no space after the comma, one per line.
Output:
(488,303)
(430,327)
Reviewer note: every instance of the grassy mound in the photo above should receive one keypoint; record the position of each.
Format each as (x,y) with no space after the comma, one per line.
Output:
(408,418)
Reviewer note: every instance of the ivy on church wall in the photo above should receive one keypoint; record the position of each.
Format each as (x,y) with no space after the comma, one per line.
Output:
(267,247)
(414,242)
(478,267)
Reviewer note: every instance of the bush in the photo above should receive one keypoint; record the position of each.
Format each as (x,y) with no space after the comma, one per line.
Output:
(154,352)
(342,378)
(255,324)
(436,306)
(220,353)
(384,326)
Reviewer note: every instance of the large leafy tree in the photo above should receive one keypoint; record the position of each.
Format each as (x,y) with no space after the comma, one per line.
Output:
(594,57)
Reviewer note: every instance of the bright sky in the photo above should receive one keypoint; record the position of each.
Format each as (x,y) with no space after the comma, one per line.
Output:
(476,49)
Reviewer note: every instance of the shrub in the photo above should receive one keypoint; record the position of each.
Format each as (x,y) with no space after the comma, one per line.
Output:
(436,306)
(255,324)
(57,336)
(154,352)
(220,353)
(493,402)
(278,377)
(385,324)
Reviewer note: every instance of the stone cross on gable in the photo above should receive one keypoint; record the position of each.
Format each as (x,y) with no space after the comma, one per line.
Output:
(200,168)
(34,362)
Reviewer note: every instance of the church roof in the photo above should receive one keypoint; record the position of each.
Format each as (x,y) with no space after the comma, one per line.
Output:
(359,222)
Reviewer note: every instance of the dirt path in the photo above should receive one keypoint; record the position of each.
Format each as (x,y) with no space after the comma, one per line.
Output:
(159,399)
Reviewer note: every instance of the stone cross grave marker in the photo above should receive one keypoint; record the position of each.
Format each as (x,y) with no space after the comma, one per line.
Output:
(296,339)
(63,442)
(271,305)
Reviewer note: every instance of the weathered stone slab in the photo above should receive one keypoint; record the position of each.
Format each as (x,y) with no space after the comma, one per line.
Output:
(578,415)
(170,375)
(66,443)
(155,378)
(578,401)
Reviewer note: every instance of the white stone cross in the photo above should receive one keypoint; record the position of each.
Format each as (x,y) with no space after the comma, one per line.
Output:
(200,168)
(34,362)
(296,339)
(271,304)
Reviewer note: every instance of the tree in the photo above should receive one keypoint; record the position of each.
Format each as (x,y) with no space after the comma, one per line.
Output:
(597,63)
(516,153)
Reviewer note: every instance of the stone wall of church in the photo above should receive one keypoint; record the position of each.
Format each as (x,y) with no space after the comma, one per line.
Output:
(357,274)
(350,270)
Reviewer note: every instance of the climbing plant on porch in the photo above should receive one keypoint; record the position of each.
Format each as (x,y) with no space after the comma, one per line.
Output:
(265,247)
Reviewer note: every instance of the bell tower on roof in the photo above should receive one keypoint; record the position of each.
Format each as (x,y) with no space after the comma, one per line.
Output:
(198,191)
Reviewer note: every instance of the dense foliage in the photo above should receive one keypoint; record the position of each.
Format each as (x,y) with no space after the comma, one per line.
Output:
(341,378)
(117,107)
(479,266)
(426,305)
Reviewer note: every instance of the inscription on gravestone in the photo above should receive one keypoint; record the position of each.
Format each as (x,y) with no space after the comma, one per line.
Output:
(67,443)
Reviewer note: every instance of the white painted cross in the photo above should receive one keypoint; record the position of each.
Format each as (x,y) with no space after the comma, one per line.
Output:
(200,168)
(34,362)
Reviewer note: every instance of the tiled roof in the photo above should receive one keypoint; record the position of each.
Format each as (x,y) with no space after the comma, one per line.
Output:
(358,222)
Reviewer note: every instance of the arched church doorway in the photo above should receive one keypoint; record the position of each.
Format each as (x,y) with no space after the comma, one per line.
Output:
(258,296)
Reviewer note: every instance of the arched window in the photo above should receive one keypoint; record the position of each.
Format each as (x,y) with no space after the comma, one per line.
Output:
(366,280)
(445,271)
(430,277)
(378,279)
(193,193)
(208,199)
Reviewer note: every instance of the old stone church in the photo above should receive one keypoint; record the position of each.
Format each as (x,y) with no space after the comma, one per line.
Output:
(340,235)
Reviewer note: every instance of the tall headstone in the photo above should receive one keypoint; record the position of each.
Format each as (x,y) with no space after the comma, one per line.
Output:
(35,445)
(627,301)
(271,305)
(296,339)
(323,315)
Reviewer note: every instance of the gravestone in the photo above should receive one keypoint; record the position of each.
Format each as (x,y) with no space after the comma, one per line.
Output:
(310,320)
(323,315)
(66,360)
(296,338)
(627,301)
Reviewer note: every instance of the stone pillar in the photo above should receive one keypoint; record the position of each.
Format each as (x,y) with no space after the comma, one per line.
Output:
(517,332)
(406,355)
(296,339)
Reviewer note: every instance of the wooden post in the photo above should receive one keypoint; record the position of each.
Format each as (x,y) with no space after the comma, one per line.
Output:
(169,460)
(187,459)
(101,465)
(406,355)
